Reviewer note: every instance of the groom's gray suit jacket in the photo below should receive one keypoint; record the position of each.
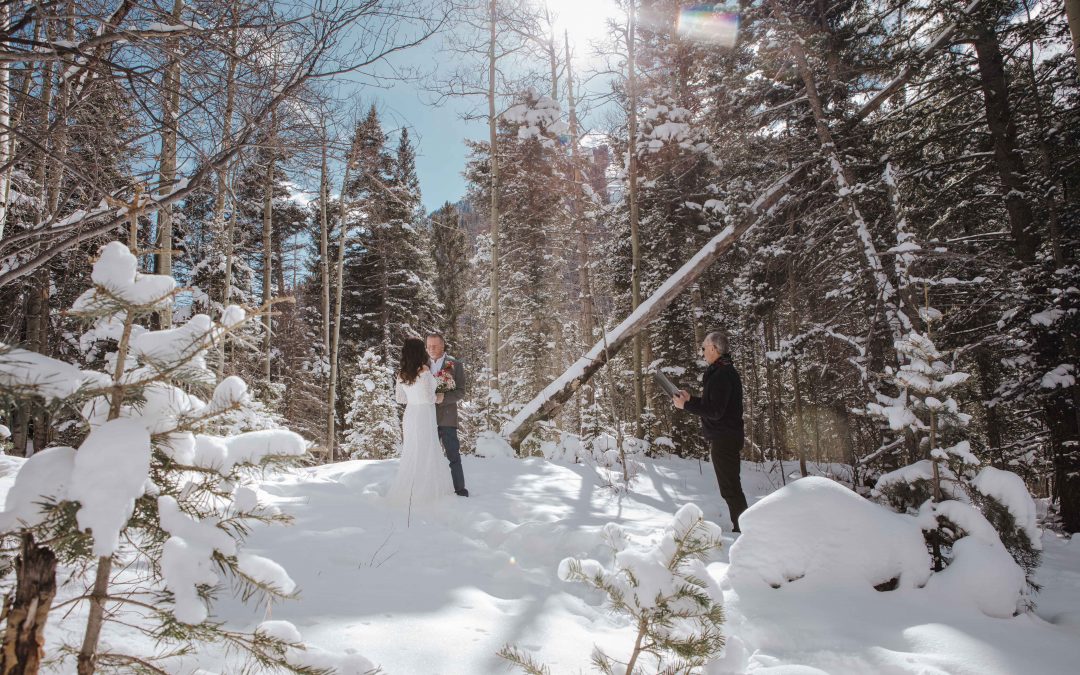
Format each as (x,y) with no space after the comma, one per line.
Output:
(446,412)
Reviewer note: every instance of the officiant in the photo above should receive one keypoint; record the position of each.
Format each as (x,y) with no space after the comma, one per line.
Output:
(720,408)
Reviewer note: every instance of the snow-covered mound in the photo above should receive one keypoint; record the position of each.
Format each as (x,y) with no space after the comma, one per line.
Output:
(819,532)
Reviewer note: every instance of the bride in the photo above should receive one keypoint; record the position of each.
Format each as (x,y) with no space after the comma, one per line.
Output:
(422,475)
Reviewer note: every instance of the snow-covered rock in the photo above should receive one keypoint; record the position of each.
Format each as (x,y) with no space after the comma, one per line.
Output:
(819,531)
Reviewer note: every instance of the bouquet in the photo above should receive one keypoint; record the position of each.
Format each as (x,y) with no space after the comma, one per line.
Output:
(445,377)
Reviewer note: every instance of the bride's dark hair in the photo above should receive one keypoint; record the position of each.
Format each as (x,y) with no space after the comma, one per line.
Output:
(413,358)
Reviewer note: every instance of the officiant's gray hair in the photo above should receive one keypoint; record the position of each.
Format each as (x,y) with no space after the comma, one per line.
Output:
(438,335)
(718,340)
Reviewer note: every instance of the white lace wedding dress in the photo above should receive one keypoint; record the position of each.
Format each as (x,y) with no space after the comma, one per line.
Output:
(423,474)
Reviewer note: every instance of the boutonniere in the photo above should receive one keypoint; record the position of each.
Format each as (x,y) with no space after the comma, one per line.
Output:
(445,376)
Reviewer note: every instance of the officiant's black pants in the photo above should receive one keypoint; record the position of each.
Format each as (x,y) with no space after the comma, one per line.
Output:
(726,462)
(452,447)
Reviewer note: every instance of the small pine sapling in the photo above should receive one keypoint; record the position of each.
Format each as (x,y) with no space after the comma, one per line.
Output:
(664,589)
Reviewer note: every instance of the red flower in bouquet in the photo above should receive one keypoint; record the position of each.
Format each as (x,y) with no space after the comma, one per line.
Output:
(445,377)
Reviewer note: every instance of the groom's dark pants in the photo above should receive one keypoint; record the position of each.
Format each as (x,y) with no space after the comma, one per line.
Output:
(452,447)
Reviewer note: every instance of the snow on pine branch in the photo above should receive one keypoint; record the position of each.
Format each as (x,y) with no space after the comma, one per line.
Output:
(28,372)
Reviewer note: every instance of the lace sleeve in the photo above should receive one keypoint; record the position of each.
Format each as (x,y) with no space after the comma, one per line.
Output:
(430,385)
(399,392)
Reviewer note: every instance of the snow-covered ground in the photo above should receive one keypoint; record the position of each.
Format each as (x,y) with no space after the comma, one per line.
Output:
(443,590)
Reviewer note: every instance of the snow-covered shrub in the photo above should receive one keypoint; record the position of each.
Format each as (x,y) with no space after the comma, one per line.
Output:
(373,427)
(1000,497)
(819,531)
(926,409)
(980,571)
(490,412)
(491,444)
(150,486)
(602,452)
(665,591)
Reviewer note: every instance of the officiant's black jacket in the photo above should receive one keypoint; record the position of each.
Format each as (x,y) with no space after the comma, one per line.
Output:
(720,403)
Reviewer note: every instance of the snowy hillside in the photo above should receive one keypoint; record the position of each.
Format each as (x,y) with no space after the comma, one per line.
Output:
(442,591)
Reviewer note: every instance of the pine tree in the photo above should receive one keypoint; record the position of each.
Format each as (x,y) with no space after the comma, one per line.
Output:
(665,592)
(372,425)
(389,271)
(449,251)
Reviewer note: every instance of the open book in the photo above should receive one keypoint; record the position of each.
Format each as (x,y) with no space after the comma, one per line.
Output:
(665,384)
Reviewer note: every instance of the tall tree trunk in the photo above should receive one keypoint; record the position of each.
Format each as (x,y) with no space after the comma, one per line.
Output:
(223,230)
(170,113)
(1072,9)
(87,660)
(772,386)
(553,60)
(25,615)
(14,119)
(279,266)
(230,260)
(586,320)
(37,307)
(493,309)
(635,235)
(5,120)
(752,403)
(793,329)
(1002,126)
(335,344)
(698,299)
(324,243)
(268,253)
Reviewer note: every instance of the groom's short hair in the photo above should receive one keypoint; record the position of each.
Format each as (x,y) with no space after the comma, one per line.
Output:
(438,335)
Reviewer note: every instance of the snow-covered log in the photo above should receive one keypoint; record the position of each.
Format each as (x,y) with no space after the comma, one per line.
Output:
(548,402)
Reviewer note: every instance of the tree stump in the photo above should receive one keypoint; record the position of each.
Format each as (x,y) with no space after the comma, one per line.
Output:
(25,616)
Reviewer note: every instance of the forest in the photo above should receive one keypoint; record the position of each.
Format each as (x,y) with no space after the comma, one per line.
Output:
(209,137)
(875,201)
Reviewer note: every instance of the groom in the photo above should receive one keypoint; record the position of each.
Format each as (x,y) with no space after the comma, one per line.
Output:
(446,407)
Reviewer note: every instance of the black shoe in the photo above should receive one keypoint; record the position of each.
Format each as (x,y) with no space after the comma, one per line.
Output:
(462,493)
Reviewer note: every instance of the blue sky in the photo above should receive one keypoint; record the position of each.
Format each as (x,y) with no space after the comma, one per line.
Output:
(439,133)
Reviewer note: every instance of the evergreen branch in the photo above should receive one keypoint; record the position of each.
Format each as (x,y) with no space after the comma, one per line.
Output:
(522,660)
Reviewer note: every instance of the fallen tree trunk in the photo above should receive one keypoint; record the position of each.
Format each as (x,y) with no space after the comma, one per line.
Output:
(548,402)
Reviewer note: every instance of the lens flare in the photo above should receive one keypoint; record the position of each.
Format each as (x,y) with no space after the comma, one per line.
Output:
(704,23)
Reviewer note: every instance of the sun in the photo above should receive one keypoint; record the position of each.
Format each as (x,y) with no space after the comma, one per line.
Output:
(584,21)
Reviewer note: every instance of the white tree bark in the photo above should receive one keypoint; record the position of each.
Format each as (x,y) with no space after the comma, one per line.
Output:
(493,310)
(331,390)
(1072,10)
(170,112)
(632,181)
